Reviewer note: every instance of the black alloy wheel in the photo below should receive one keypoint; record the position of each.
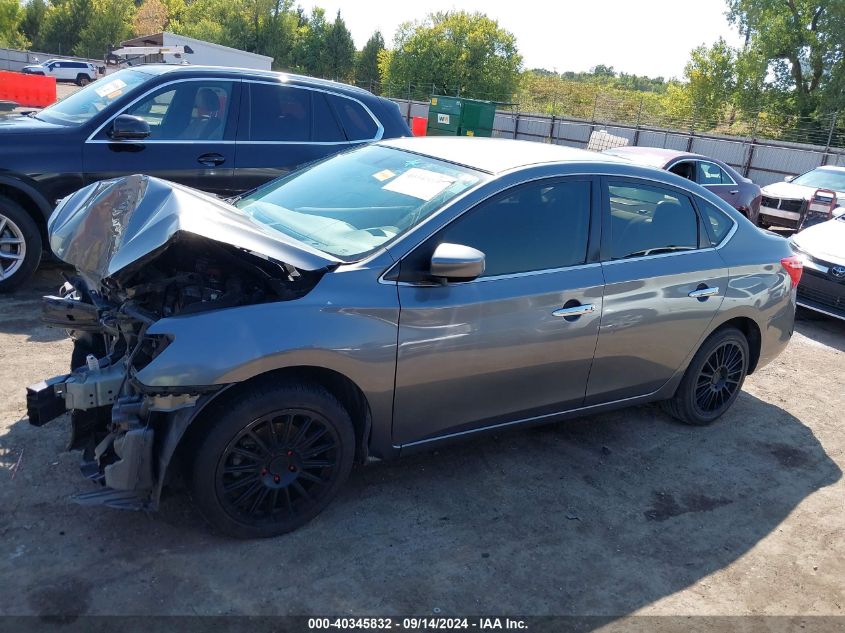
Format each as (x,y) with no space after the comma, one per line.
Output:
(271,459)
(713,379)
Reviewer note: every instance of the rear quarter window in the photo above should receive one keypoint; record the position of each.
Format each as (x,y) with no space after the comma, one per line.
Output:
(356,121)
(716,221)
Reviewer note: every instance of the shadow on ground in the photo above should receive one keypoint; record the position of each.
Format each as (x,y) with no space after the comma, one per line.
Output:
(594,516)
(20,311)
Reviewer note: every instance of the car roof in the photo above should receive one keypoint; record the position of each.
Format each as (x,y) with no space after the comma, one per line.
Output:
(175,69)
(654,156)
(830,168)
(495,155)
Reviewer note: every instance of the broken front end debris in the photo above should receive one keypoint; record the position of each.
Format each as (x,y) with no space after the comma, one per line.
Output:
(144,250)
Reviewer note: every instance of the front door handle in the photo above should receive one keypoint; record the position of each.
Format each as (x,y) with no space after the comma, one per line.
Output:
(575,311)
(211,160)
(703,293)
(734,191)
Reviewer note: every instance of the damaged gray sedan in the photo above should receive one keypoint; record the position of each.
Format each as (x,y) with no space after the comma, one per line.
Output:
(386,300)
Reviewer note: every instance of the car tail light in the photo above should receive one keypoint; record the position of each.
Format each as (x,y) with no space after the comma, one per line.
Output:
(794,267)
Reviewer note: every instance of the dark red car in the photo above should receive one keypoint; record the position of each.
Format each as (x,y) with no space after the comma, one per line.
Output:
(723,180)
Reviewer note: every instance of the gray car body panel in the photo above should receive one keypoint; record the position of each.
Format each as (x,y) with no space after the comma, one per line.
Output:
(358,322)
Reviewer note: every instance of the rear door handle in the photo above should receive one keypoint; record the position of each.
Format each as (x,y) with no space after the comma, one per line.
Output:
(575,311)
(734,191)
(703,293)
(211,160)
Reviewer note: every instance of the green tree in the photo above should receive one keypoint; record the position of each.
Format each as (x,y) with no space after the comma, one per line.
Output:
(35,12)
(11,17)
(802,43)
(110,23)
(339,51)
(63,24)
(711,79)
(309,56)
(366,62)
(453,52)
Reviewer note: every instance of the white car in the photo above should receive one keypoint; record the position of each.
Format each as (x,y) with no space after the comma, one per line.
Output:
(81,73)
(822,249)
(784,203)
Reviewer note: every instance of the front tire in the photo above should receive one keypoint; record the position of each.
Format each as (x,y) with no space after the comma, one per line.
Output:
(20,245)
(272,460)
(713,379)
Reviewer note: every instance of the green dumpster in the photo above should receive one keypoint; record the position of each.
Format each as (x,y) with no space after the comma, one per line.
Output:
(456,116)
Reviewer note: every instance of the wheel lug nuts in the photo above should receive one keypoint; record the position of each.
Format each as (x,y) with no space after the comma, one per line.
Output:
(290,453)
(277,479)
(292,469)
(263,471)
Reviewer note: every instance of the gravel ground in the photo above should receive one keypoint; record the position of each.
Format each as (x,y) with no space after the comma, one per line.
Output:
(622,513)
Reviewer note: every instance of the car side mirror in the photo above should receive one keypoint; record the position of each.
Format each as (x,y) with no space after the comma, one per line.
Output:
(788,178)
(126,127)
(456,262)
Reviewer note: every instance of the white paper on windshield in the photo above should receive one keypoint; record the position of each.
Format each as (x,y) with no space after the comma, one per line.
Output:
(419,183)
(115,85)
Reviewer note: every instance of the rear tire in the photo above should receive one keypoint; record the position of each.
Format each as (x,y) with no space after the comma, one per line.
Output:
(20,245)
(272,460)
(82,80)
(713,379)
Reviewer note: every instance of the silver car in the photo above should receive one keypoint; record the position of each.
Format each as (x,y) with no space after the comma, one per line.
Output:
(381,302)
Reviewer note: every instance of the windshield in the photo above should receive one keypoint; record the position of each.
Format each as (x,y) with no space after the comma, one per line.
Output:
(351,204)
(84,104)
(823,179)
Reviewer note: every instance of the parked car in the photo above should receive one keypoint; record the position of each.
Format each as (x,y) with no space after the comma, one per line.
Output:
(784,203)
(822,249)
(222,130)
(81,73)
(720,178)
(387,300)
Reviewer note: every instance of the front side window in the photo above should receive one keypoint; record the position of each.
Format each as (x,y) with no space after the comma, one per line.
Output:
(83,104)
(540,226)
(191,110)
(712,174)
(279,113)
(647,220)
(351,204)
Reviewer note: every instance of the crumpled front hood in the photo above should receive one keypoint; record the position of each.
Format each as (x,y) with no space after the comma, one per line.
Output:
(106,227)
(825,241)
(791,190)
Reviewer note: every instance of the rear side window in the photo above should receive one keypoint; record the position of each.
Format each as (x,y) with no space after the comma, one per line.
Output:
(279,113)
(539,226)
(356,121)
(712,174)
(326,127)
(647,220)
(716,221)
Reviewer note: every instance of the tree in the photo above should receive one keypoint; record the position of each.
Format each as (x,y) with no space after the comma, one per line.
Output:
(711,79)
(35,11)
(339,51)
(453,52)
(63,24)
(150,18)
(11,16)
(110,24)
(366,62)
(310,53)
(801,41)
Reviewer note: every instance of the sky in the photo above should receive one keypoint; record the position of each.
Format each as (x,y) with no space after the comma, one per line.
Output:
(642,37)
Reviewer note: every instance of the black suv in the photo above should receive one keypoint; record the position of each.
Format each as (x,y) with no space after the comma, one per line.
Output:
(221,130)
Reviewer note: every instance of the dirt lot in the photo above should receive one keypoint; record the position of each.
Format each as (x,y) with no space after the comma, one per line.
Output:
(617,514)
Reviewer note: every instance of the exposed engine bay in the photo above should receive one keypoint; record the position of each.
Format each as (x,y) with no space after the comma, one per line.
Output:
(120,424)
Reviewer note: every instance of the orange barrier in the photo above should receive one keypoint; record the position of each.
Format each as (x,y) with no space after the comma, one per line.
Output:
(418,125)
(27,90)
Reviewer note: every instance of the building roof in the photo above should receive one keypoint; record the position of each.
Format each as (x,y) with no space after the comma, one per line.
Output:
(494,155)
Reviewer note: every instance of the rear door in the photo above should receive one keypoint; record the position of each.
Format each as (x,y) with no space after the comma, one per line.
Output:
(664,284)
(192,124)
(518,341)
(283,127)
